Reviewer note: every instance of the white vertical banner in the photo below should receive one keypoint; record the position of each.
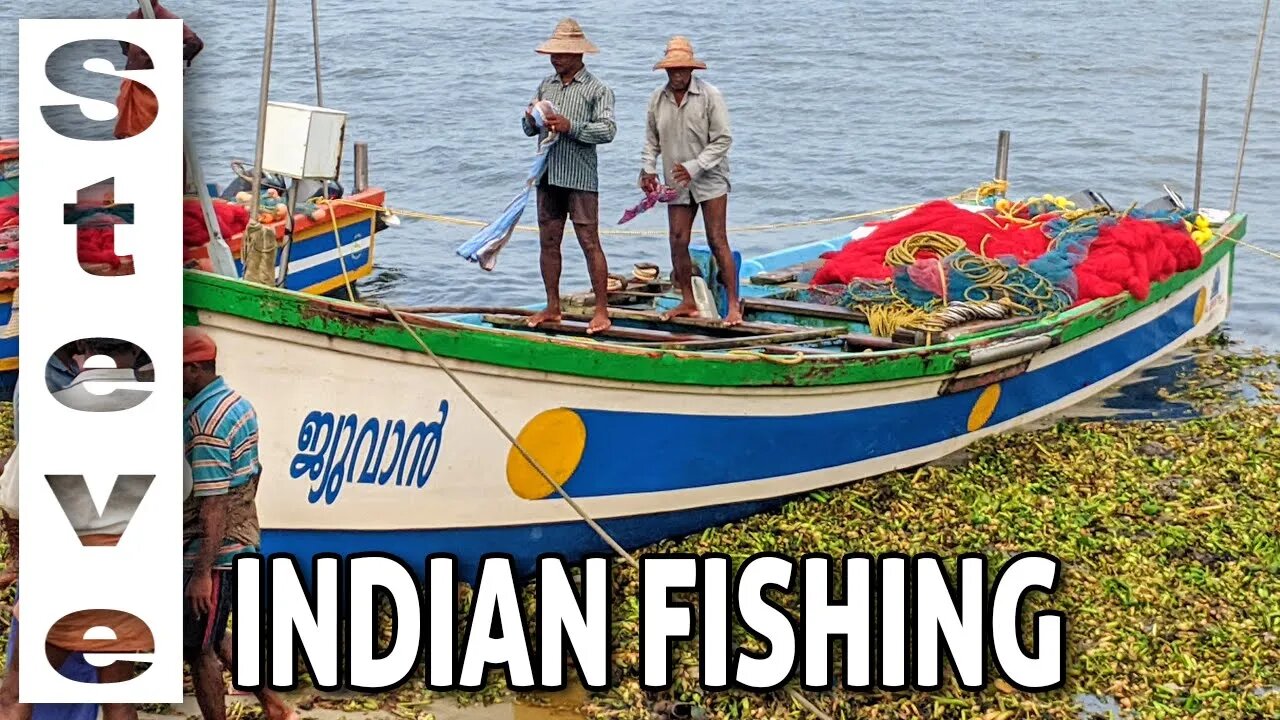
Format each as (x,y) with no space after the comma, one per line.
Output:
(61,303)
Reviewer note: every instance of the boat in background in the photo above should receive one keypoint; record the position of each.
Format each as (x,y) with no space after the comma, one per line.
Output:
(8,168)
(655,428)
(324,256)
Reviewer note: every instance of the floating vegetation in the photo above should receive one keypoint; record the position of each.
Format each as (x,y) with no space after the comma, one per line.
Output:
(1168,531)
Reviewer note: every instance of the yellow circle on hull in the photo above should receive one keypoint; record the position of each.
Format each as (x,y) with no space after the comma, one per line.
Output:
(1202,301)
(556,439)
(984,407)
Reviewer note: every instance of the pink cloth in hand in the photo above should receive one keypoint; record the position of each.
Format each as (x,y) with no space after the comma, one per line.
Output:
(662,194)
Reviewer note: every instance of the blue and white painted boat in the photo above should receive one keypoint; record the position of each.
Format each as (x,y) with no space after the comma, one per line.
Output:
(656,429)
(322,260)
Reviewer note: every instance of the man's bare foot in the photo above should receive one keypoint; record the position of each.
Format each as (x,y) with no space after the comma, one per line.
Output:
(599,322)
(280,711)
(543,316)
(684,309)
(734,317)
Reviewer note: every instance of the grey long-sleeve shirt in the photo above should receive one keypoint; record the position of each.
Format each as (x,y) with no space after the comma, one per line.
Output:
(695,134)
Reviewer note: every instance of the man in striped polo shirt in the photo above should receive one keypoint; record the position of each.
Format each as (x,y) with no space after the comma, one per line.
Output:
(569,185)
(220,517)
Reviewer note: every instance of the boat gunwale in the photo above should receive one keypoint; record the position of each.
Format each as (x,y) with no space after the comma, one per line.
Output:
(468,340)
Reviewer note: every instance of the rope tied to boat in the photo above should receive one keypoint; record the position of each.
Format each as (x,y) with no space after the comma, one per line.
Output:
(965,195)
(604,535)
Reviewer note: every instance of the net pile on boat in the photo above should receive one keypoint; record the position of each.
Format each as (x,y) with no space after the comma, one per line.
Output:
(942,264)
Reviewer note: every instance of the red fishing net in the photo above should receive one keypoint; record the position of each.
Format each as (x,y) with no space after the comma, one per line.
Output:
(94,231)
(232,220)
(865,258)
(1127,255)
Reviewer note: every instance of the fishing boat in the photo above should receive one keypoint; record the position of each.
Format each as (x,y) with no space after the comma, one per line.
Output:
(8,168)
(327,253)
(655,428)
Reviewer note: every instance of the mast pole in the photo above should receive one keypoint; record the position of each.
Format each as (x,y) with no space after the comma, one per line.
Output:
(1248,108)
(219,251)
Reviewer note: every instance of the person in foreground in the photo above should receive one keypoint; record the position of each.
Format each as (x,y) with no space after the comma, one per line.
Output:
(220,519)
(688,125)
(569,185)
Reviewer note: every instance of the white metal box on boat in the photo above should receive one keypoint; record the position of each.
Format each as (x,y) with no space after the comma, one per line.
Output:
(303,141)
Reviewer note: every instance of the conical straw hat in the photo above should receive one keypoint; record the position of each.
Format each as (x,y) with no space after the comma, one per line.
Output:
(680,55)
(568,38)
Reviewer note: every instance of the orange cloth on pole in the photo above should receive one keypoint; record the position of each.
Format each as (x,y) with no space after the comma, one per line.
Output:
(137,107)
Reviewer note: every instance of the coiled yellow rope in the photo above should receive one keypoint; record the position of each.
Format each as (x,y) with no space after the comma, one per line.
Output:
(904,253)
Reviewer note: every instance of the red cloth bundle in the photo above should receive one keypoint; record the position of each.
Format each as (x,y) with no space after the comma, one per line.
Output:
(9,211)
(232,220)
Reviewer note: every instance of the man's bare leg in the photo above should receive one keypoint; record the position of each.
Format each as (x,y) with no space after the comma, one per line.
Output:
(10,574)
(113,673)
(714,215)
(550,235)
(598,269)
(211,690)
(273,705)
(10,708)
(679,229)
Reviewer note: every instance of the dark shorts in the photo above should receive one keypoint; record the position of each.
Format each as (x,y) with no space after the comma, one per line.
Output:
(554,203)
(689,201)
(202,632)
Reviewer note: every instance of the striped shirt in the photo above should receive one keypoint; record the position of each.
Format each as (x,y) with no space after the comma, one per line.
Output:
(221,432)
(588,104)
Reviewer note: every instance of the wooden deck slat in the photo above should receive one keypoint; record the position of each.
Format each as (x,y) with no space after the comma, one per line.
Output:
(573,327)
(826,312)
(749,340)
(705,324)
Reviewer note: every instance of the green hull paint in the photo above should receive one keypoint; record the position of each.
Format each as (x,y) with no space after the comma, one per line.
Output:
(206,292)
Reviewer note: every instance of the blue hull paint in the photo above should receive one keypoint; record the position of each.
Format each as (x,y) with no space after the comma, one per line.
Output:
(300,280)
(806,443)
(524,542)
(767,447)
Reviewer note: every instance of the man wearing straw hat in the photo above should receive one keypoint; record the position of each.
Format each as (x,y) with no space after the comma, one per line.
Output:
(688,125)
(569,185)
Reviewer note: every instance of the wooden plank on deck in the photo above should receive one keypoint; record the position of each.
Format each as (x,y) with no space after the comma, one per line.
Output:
(571,327)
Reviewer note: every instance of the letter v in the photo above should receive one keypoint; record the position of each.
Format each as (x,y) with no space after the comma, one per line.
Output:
(80,508)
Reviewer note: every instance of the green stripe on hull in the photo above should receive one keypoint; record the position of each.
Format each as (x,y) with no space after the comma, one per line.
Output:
(539,353)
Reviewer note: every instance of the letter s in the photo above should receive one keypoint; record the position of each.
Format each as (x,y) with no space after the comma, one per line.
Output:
(80,68)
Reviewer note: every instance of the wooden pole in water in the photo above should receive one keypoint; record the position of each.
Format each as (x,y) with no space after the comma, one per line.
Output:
(1248,108)
(1002,155)
(1204,99)
(362,166)
(263,92)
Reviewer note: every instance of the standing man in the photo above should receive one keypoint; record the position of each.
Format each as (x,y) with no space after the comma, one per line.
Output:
(136,105)
(688,125)
(569,186)
(220,518)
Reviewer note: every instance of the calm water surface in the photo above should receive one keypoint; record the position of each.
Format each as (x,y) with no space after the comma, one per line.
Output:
(836,107)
